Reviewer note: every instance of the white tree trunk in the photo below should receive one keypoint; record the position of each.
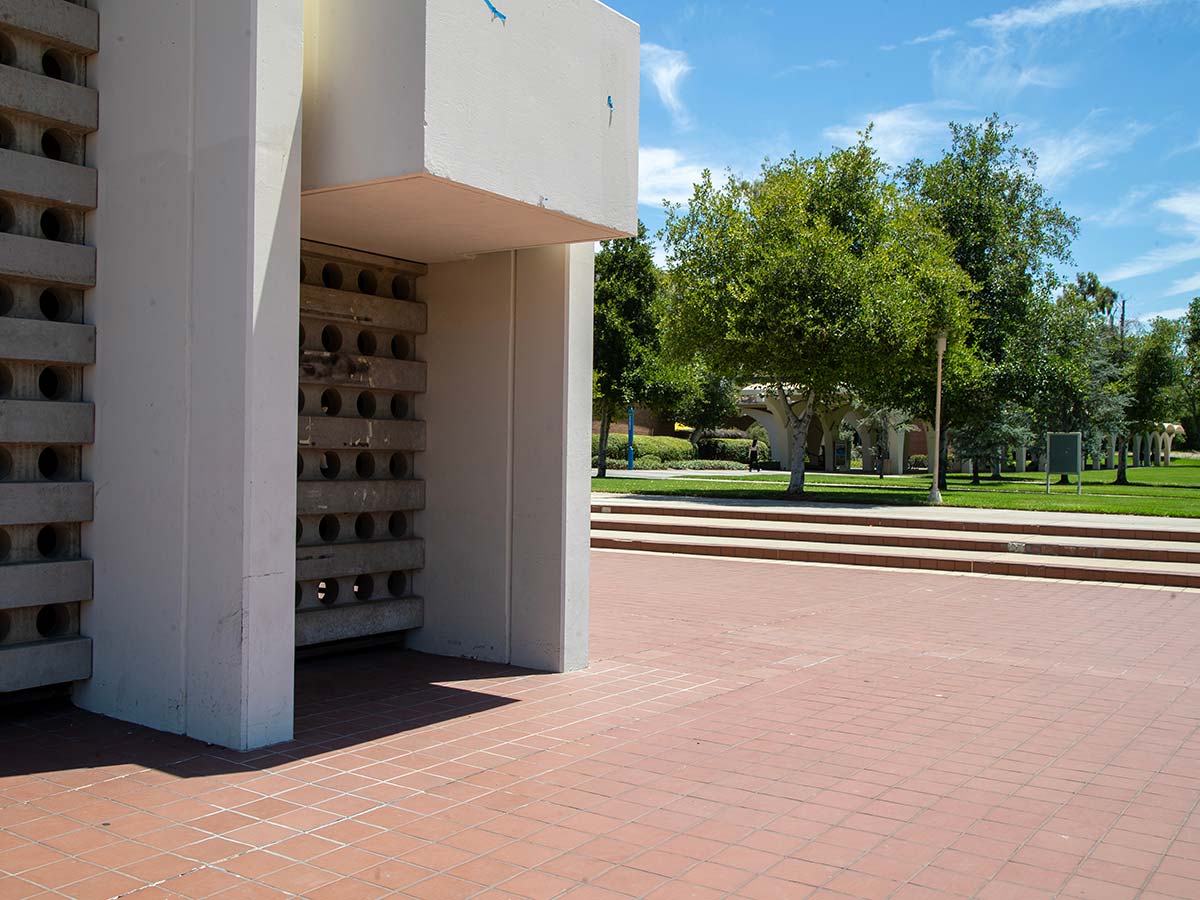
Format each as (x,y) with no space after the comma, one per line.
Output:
(798,426)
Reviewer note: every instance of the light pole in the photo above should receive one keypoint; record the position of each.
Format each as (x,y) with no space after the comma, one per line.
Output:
(935,495)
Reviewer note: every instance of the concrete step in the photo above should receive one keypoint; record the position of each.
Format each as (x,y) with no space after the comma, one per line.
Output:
(1124,571)
(870,535)
(1000,522)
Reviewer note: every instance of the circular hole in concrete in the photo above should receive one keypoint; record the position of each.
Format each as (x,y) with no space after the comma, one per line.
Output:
(367,344)
(5,544)
(398,524)
(399,406)
(331,276)
(5,624)
(8,51)
(327,592)
(331,464)
(300,404)
(400,347)
(331,402)
(6,299)
(329,528)
(53,620)
(364,465)
(54,305)
(8,218)
(56,225)
(398,465)
(48,541)
(397,584)
(8,134)
(331,338)
(364,526)
(367,283)
(49,464)
(53,382)
(56,64)
(366,405)
(401,287)
(6,463)
(364,587)
(57,144)
(6,380)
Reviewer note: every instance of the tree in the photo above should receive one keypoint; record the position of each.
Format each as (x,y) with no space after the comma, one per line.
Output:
(1188,389)
(1007,235)
(1156,368)
(814,278)
(625,333)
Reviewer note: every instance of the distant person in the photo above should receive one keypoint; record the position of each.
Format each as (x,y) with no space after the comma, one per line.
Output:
(752,456)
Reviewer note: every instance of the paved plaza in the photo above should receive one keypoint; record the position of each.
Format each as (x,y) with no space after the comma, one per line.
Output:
(747,730)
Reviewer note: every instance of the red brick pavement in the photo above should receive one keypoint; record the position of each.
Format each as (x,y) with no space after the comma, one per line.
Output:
(747,730)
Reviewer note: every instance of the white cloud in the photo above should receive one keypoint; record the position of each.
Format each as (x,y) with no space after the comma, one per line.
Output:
(1184,286)
(1175,312)
(1186,148)
(1184,208)
(1044,14)
(810,67)
(664,173)
(940,35)
(667,68)
(1125,212)
(991,70)
(1087,147)
(901,132)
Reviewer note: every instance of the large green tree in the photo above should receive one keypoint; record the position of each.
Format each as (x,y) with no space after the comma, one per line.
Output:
(1008,234)
(814,277)
(1188,388)
(625,330)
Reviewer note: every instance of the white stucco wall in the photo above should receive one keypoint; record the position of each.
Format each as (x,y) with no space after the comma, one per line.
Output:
(508,407)
(195,305)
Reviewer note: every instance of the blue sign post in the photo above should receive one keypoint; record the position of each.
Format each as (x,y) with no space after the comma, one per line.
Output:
(629,445)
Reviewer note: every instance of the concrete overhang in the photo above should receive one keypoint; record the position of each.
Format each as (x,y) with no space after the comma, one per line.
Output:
(435,130)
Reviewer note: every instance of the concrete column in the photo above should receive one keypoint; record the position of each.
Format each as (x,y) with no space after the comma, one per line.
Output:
(551,483)
(1167,439)
(829,429)
(1135,443)
(777,434)
(1155,440)
(1096,452)
(895,464)
(198,237)
(506,521)
(867,436)
(1020,457)
(1110,456)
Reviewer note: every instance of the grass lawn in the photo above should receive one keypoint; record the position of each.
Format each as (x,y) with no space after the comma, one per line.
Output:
(1161,491)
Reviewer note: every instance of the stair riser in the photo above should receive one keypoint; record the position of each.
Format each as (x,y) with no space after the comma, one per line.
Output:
(916,541)
(763,515)
(979,567)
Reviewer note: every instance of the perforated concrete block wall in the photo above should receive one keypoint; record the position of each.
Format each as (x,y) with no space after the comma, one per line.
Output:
(356,498)
(46,111)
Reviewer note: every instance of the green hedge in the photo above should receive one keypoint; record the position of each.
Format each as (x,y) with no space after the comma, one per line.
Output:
(667,449)
(733,449)
(709,464)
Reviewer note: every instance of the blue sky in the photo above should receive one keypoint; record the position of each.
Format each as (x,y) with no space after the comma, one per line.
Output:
(1107,92)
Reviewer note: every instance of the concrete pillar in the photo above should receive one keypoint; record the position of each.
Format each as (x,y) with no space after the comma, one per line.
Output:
(198,240)
(1167,440)
(1135,444)
(777,434)
(509,359)
(1096,452)
(1155,440)
(1110,456)
(829,429)
(867,437)
(895,462)
(1020,457)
